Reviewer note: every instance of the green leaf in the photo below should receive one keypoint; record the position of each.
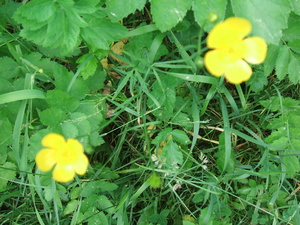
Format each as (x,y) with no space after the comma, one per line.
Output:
(62,100)
(204,8)
(296,6)
(117,10)
(167,13)
(293,31)
(101,33)
(5,133)
(294,69)
(257,81)
(89,68)
(105,204)
(71,206)
(282,62)
(99,218)
(94,187)
(7,172)
(268,17)
(8,64)
(172,154)
(80,121)
(221,156)
(52,116)
(181,137)
(69,130)
(51,24)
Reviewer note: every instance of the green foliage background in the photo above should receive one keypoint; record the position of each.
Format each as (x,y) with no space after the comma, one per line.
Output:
(167,142)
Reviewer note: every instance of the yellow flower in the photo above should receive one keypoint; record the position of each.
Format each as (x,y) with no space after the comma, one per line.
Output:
(67,156)
(231,50)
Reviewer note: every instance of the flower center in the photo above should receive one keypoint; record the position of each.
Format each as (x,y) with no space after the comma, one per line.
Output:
(66,155)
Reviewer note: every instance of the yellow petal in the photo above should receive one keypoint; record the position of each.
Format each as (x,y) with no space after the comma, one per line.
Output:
(75,145)
(54,141)
(255,50)
(216,62)
(81,165)
(63,173)
(228,32)
(238,72)
(45,159)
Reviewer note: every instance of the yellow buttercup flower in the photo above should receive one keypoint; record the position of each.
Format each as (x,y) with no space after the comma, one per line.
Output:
(231,50)
(66,155)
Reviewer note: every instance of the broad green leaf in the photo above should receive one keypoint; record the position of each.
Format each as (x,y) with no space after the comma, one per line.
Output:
(282,62)
(270,60)
(203,9)
(105,204)
(167,13)
(117,10)
(71,206)
(94,187)
(172,154)
(294,69)
(9,68)
(7,172)
(296,6)
(180,137)
(69,130)
(80,121)
(294,45)
(52,116)
(257,81)
(101,33)
(293,30)
(5,133)
(268,17)
(162,136)
(89,68)
(62,100)
(98,218)
(291,163)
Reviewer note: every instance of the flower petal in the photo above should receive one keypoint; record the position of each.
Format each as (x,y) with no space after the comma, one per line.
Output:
(45,159)
(228,32)
(81,165)
(216,62)
(238,72)
(63,173)
(75,145)
(54,141)
(255,50)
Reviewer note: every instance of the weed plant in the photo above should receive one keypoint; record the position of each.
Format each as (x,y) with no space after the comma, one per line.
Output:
(167,142)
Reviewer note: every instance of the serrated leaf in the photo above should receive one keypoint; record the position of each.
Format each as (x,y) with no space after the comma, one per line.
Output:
(296,6)
(204,8)
(292,164)
(257,81)
(51,24)
(62,100)
(101,33)
(69,130)
(294,69)
(282,62)
(268,17)
(99,218)
(117,10)
(162,136)
(105,204)
(270,60)
(80,121)
(180,137)
(293,30)
(172,154)
(167,13)
(52,116)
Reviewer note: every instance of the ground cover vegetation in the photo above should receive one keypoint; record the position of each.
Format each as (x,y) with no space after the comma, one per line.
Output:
(149,112)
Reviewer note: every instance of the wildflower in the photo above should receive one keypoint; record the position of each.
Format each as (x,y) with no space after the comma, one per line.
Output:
(66,155)
(231,50)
